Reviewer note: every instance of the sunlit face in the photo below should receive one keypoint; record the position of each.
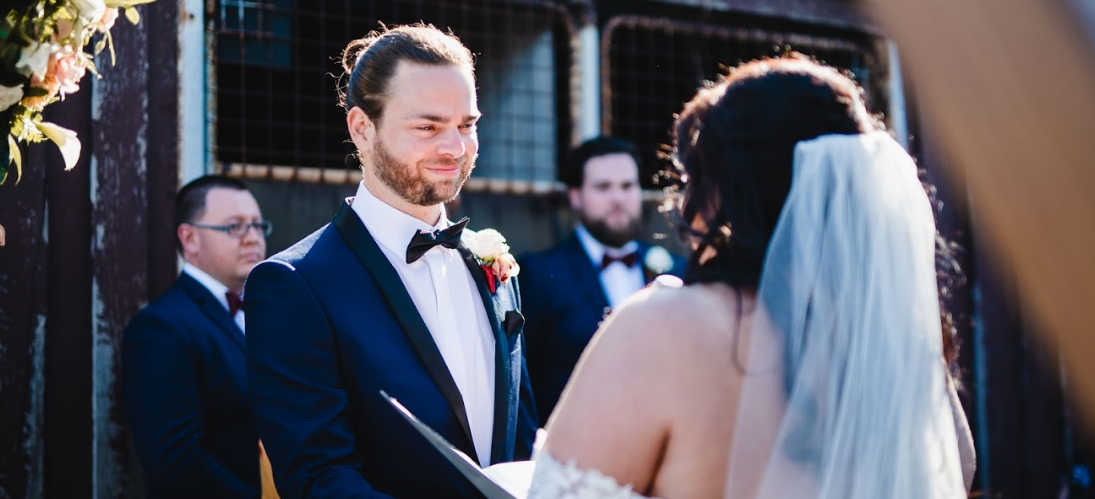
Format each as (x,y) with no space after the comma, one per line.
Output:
(226,258)
(425,145)
(609,202)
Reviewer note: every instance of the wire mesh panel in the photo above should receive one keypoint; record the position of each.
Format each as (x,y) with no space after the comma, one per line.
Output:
(275,111)
(653,66)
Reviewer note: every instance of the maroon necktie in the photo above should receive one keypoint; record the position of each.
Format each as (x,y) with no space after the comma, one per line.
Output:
(235,303)
(628,260)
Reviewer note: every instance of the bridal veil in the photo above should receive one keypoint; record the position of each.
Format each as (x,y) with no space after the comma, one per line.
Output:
(845,390)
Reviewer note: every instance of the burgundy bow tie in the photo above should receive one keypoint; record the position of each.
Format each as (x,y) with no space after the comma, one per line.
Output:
(235,303)
(628,260)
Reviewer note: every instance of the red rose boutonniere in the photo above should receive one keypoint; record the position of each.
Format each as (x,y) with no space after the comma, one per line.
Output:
(490,248)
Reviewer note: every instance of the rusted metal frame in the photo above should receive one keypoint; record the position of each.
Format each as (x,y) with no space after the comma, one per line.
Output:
(66,447)
(286,173)
(23,272)
(120,247)
(836,13)
(750,35)
(163,143)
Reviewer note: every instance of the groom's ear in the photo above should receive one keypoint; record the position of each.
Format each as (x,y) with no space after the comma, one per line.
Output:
(362,129)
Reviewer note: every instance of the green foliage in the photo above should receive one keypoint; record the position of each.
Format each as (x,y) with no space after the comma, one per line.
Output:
(16,159)
(42,56)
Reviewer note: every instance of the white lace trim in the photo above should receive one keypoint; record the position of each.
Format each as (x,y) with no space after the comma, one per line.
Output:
(555,480)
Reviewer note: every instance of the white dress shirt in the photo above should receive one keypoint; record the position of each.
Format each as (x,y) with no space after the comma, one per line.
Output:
(618,280)
(448,300)
(214,286)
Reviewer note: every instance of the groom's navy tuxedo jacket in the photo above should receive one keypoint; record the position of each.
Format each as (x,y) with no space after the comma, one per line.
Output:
(564,303)
(184,390)
(329,325)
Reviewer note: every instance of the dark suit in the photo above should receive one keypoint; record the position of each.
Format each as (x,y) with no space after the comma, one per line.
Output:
(329,325)
(184,390)
(564,302)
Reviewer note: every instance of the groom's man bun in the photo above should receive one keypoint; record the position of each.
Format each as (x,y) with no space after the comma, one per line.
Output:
(369,62)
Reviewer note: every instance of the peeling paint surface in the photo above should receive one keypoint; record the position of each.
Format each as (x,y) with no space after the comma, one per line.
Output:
(192,73)
(33,443)
(106,465)
(119,226)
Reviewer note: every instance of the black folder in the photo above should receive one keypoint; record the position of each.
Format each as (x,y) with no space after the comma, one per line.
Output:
(467,467)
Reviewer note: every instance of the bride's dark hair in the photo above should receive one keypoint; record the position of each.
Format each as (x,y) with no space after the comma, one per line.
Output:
(733,146)
(734,142)
(733,150)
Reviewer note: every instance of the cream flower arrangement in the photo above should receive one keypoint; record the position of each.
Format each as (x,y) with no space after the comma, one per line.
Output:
(42,59)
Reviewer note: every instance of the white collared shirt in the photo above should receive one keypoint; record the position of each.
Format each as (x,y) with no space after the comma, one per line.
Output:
(448,300)
(214,286)
(618,280)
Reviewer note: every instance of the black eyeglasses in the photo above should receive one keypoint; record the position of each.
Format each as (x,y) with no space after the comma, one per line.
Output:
(239,229)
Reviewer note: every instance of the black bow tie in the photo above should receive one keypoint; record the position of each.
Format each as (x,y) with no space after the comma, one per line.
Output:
(628,260)
(235,303)
(424,241)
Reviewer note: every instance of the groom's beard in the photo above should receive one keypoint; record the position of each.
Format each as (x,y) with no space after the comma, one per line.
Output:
(408,183)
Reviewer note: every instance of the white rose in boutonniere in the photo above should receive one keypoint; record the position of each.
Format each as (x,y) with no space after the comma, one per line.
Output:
(490,247)
(658,260)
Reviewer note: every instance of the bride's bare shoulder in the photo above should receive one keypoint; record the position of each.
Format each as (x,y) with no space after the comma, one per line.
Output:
(695,305)
(694,316)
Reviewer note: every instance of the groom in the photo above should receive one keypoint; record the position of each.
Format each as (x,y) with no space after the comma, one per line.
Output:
(387,297)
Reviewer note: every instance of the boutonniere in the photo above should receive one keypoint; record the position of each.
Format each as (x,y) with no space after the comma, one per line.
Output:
(658,260)
(490,248)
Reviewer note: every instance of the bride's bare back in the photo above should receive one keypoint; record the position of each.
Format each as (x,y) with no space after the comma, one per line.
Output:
(653,401)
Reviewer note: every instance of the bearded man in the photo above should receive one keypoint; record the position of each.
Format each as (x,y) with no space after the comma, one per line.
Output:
(567,290)
(389,297)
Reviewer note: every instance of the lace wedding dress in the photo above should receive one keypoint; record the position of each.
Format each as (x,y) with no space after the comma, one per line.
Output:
(555,480)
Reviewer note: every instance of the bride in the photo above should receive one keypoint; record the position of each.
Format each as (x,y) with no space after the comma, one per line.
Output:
(804,356)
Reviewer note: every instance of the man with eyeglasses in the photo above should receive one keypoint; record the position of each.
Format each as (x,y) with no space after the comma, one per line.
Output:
(184,363)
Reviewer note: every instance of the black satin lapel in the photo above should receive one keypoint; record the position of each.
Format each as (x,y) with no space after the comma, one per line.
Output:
(391,285)
(212,308)
(505,384)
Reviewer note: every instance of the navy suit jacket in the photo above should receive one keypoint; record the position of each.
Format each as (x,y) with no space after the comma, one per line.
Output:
(329,325)
(184,391)
(564,303)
